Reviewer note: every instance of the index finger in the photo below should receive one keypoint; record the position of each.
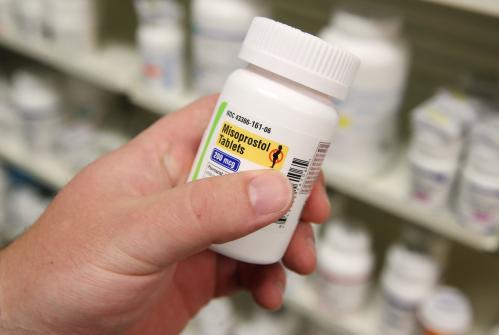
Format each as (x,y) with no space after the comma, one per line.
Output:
(184,126)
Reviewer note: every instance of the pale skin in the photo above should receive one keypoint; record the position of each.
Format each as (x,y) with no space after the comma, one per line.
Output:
(123,247)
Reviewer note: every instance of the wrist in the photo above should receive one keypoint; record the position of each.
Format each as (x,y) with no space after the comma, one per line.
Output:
(15,314)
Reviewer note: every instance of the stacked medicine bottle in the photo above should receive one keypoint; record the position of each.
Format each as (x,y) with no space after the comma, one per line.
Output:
(455,146)
(161,41)
(367,132)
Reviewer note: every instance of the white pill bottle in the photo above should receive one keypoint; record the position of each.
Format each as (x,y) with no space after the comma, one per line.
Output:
(407,280)
(366,137)
(478,195)
(345,262)
(218,30)
(447,312)
(276,113)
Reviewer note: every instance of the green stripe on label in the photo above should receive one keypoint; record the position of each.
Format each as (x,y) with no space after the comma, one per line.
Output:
(214,125)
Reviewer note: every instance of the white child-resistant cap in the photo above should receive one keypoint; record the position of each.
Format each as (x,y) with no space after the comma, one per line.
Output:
(300,57)
(448,311)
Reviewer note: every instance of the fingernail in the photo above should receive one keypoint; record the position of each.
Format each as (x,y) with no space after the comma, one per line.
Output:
(269,193)
(171,165)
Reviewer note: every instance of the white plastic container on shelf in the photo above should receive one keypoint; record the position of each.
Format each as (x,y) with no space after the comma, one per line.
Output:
(431,179)
(368,118)
(407,280)
(483,153)
(154,12)
(162,49)
(440,128)
(440,125)
(218,31)
(29,16)
(447,312)
(477,202)
(38,107)
(345,262)
(72,24)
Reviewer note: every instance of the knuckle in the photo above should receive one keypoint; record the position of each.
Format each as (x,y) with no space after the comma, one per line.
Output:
(199,195)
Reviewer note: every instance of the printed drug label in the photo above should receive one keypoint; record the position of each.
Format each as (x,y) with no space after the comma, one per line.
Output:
(237,142)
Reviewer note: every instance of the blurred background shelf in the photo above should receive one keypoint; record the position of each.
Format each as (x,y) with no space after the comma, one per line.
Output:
(159,103)
(487,7)
(48,170)
(112,68)
(389,193)
(304,302)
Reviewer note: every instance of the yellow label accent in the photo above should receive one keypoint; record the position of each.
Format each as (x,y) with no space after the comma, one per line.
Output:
(438,117)
(257,149)
(345,121)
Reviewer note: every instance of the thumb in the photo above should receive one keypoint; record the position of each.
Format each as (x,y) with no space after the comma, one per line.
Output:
(185,220)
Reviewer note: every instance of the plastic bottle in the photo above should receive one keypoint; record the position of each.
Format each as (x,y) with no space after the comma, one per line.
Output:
(407,280)
(218,30)
(276,113)
(72,25)
(431,179)
(162,49)
(345,264)
(368,119)
(29,18)
(157,12)
(440,127)
(446,312)
(478,195)
(38,106)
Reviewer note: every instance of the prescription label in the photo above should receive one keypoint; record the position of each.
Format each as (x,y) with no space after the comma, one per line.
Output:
(236,142)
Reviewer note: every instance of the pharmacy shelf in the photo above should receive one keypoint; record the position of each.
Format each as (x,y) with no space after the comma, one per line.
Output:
(487,7)
(159,103)
(48,170)
(113,67)
(389,193)
(303,300)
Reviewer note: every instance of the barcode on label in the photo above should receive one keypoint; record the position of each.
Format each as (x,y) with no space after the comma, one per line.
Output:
(296,173)
(315,167)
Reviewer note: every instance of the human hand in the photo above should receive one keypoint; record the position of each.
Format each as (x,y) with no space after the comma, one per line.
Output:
(123,247)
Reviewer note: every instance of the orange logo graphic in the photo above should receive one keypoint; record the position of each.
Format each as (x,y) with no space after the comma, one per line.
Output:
(276,156)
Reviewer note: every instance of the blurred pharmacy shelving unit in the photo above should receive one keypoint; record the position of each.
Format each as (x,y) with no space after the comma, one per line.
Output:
(114,68)
(448,38)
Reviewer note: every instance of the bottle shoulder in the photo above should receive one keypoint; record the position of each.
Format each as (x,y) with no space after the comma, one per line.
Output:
(279,101)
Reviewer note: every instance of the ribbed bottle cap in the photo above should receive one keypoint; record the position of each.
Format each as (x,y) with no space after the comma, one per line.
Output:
(300,57)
